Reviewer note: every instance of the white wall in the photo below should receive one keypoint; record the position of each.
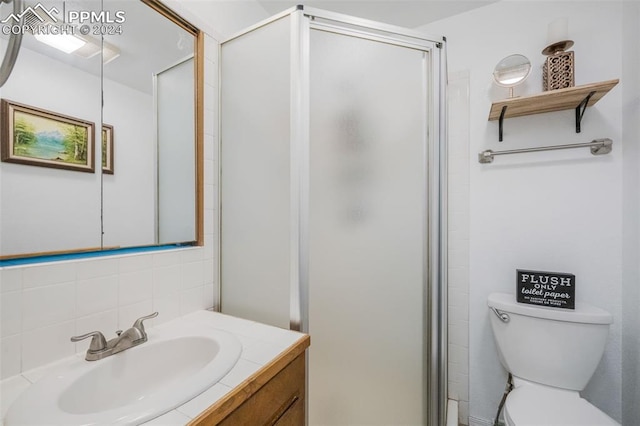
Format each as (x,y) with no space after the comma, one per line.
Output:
(40,205)
(558,211)
(631,216)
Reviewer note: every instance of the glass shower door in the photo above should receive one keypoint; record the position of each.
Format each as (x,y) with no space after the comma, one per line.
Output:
(367,235)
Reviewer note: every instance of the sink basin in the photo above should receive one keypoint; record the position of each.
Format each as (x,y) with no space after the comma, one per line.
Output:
(133,386)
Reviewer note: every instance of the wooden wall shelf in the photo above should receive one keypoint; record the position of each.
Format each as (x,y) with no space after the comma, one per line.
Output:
(578,98)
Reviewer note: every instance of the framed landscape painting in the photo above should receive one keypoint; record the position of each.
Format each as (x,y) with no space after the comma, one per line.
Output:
(107,149)
(43,138)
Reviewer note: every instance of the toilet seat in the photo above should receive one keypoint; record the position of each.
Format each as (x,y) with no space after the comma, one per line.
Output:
(533,405)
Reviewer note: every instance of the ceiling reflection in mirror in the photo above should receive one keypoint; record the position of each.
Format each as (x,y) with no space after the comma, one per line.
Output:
(138,64)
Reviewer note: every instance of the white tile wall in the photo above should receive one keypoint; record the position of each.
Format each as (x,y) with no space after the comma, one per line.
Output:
(192,275)
(458,217)
(11,280)
(12,319)
(97,268)
(166,280)
(53,304)
(10,355)
(47,274)
(134,287)
(128,314)
(45,304)
(96,295)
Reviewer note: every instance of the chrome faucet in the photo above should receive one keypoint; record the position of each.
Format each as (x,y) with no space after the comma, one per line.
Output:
(101,348)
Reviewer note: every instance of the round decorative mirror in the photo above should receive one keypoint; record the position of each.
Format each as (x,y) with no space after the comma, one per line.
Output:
(511,71)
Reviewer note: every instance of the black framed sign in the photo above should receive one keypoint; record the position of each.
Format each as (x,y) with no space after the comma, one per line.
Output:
(552,289)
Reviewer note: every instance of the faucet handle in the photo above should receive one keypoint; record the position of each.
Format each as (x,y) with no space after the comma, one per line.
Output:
(139,322)
(98,342)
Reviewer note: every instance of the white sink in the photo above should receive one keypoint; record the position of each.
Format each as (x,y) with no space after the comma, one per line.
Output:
(133,386)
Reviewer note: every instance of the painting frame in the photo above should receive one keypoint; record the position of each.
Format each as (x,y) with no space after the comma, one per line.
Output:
(49,139)
(106,142)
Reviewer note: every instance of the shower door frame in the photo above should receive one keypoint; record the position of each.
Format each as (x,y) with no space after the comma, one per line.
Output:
(303,20)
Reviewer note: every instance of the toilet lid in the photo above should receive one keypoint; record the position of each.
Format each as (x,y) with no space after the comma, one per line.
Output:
(542,406)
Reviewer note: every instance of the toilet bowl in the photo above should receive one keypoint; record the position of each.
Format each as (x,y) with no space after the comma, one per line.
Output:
(551,353)
(531,404)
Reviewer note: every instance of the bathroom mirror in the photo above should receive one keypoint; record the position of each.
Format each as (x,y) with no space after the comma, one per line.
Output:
(135,83)
(511,71)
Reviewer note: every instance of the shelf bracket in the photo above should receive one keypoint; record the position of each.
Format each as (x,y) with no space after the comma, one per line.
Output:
(580,109)
(504,109)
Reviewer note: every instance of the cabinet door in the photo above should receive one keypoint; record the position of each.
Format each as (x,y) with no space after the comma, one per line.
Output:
(293,415)
(280,402)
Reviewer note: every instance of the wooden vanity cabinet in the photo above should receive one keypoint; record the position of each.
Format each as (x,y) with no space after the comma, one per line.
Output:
(279,402)
(273,396)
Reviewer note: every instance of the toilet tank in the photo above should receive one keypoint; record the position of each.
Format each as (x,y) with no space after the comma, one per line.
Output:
(551,346)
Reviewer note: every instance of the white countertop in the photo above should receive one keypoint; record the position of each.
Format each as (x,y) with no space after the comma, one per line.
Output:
(260,344)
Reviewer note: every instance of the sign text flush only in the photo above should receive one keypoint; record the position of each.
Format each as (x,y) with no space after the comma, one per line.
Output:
(552,289)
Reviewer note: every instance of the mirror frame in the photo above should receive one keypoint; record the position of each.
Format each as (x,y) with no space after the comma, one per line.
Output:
(199,60)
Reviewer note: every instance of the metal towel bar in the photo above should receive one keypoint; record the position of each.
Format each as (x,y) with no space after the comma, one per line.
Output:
(597,146)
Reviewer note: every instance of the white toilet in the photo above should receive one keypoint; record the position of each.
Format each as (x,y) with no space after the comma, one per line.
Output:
(551,353)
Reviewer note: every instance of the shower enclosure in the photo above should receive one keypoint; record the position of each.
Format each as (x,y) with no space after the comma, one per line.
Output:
(332,199)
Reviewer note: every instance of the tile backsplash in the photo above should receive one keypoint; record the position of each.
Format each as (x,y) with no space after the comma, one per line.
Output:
(43,305)
(459,186)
